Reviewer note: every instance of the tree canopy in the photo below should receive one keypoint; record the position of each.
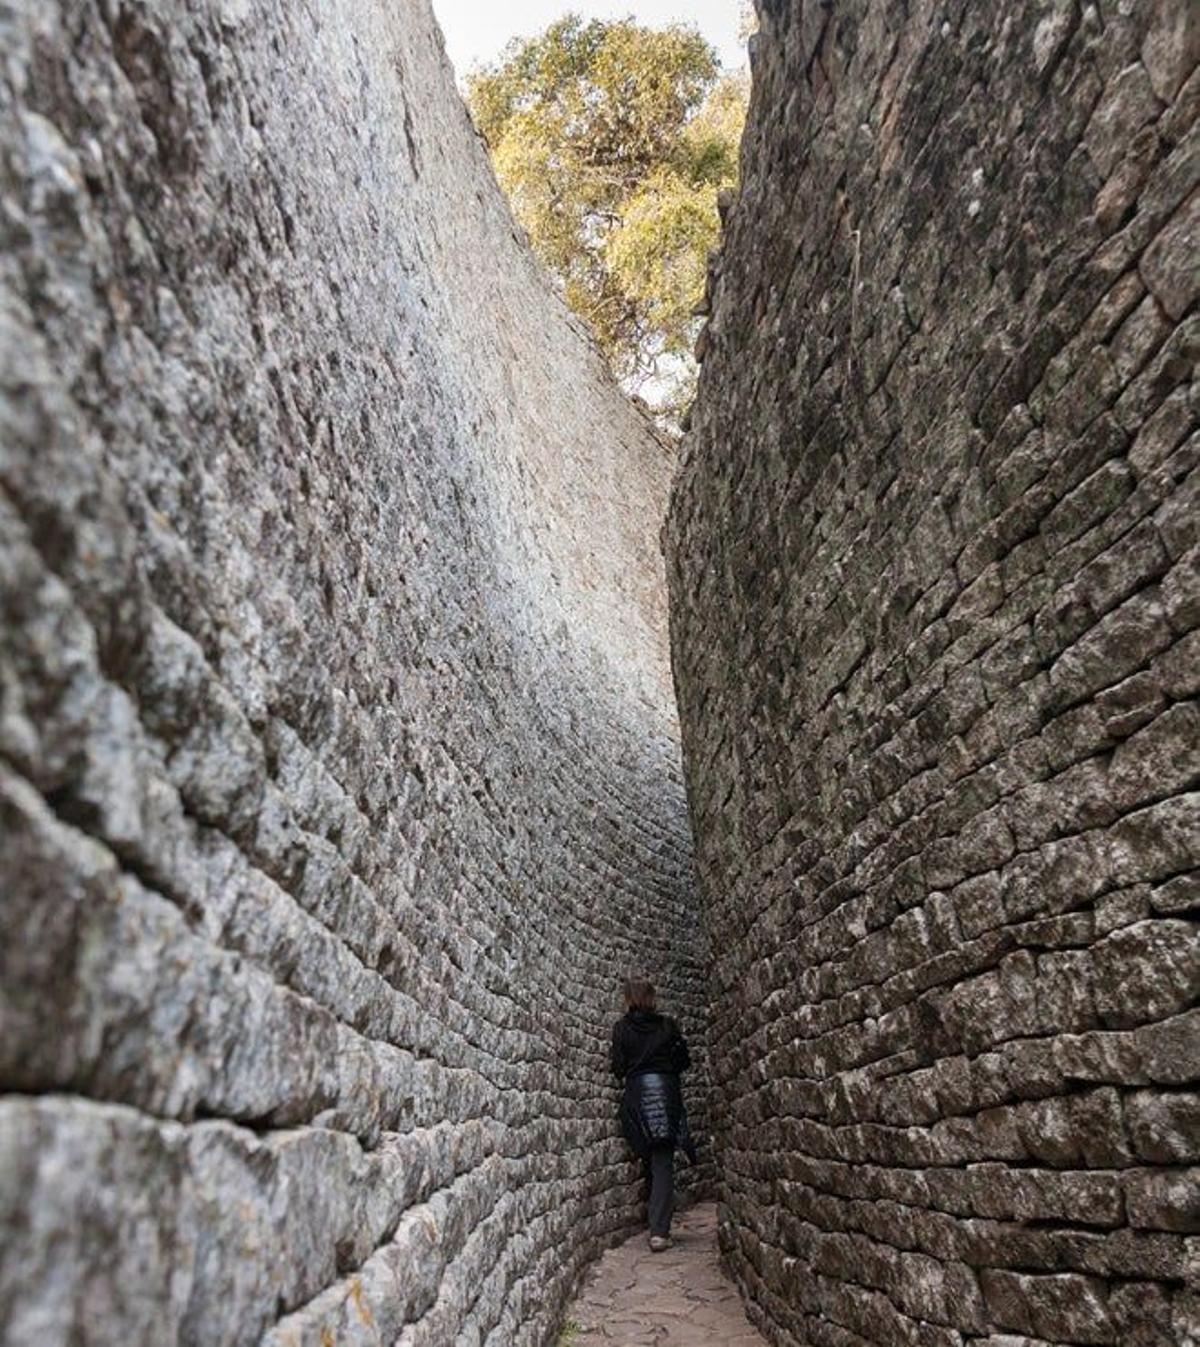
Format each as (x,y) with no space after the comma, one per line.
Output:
(612,141)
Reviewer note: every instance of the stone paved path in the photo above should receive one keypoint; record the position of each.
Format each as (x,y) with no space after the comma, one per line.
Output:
(681,1298)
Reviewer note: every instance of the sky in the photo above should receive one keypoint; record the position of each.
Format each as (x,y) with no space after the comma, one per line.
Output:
(477,30)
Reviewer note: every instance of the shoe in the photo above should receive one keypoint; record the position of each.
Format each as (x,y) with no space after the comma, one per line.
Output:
(659,1243)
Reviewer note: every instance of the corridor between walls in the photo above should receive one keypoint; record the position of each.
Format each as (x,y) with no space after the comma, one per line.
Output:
(341,775)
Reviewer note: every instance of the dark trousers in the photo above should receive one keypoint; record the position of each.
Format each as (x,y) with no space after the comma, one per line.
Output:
(660,1169)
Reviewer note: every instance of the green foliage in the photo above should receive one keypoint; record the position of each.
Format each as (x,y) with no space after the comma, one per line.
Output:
(658,254)
(612,141)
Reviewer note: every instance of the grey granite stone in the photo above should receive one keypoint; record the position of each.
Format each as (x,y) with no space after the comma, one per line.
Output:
(339,765)
(930,552)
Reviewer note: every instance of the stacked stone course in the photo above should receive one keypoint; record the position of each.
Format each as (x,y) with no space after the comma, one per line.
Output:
(932,554)
(339,773)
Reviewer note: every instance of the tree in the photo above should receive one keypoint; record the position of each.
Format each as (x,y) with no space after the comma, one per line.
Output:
(612,141)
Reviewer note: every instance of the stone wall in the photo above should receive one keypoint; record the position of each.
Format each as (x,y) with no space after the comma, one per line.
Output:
(933,556)
(338,759)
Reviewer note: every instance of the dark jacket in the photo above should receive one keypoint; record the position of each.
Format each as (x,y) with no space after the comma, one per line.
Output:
(648,1053)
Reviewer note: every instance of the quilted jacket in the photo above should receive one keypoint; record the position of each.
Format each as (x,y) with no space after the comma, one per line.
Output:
(649,1052)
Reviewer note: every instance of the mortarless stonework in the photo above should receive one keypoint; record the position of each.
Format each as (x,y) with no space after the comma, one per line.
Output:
(933,562)
(338,760)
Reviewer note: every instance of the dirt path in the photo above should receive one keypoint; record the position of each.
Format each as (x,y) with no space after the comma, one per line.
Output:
(681,1298)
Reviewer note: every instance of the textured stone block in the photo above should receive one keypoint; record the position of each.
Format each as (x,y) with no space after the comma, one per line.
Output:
(1164,1128)
(1147,971)
(1167,1199)
(1060,1308)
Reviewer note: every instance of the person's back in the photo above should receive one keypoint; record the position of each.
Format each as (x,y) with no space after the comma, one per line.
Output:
(648,1054)
(644,1040)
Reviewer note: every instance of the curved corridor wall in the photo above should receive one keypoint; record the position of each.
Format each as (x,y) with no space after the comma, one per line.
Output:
(338,760)
(933,567)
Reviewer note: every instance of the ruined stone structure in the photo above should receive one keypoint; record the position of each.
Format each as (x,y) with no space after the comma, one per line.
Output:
(339,769)
(933,555)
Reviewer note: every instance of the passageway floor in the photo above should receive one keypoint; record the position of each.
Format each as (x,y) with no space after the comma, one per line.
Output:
(680,1298)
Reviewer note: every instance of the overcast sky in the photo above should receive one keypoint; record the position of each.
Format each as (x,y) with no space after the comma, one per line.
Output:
(477,30)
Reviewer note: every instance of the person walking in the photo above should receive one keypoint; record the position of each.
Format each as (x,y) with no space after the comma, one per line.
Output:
(648,1054)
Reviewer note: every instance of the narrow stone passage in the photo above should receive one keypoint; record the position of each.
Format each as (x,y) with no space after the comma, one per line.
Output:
(681,1298)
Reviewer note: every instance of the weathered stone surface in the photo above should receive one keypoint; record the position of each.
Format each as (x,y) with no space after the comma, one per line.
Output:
(934,600)
(339,770)
(677,1298)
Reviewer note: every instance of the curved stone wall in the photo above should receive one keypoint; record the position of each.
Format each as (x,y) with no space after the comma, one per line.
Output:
(933,556)
(338,759)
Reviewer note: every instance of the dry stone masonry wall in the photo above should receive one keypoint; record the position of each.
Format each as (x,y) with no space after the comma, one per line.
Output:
(338,759)
(933,562)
